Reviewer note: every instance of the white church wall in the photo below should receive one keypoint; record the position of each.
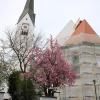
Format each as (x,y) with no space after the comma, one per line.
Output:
(31,33)
(26,19)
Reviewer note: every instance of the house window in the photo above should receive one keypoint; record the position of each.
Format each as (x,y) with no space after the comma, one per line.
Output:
(75,63)
(75,59)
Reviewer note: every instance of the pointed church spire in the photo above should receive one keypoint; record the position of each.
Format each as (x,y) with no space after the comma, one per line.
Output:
(29,8)
(29,5)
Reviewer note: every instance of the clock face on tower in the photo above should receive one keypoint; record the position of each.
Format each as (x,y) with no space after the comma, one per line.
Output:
(25,29)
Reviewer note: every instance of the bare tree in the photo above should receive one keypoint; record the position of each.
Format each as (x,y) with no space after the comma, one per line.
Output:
(21,46)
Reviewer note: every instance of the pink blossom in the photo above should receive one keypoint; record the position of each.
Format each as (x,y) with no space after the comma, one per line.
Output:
(52,69)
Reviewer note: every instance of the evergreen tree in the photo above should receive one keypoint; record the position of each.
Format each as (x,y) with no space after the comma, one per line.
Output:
(22,88)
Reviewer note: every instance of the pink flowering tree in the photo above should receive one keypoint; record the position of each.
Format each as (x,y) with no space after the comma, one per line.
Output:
(51,69)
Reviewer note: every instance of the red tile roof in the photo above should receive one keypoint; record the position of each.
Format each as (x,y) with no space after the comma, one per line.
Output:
(83,33)
(83,27)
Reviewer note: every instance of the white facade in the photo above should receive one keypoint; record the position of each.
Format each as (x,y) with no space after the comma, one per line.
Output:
(26,25)
(26,20)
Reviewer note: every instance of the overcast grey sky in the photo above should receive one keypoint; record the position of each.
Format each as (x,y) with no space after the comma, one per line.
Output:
(51,15)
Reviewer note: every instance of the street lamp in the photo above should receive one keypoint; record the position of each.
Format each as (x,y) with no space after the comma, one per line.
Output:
(94,82)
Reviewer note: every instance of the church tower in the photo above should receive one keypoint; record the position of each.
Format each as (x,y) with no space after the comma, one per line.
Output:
(26,21)
(25,36)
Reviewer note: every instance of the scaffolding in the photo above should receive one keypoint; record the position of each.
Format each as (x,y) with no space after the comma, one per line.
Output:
(88,54)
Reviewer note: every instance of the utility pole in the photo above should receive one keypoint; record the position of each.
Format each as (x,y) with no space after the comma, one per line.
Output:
(94,82)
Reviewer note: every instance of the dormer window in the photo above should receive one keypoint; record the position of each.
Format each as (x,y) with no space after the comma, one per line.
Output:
(25,29)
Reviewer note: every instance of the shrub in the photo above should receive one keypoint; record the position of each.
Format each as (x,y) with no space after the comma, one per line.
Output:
(22,88)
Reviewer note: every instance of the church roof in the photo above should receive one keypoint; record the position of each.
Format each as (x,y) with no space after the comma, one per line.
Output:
(29,8)
(83,33)
(83,27)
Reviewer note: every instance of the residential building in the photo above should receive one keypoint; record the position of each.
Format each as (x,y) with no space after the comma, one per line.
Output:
(82,50)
